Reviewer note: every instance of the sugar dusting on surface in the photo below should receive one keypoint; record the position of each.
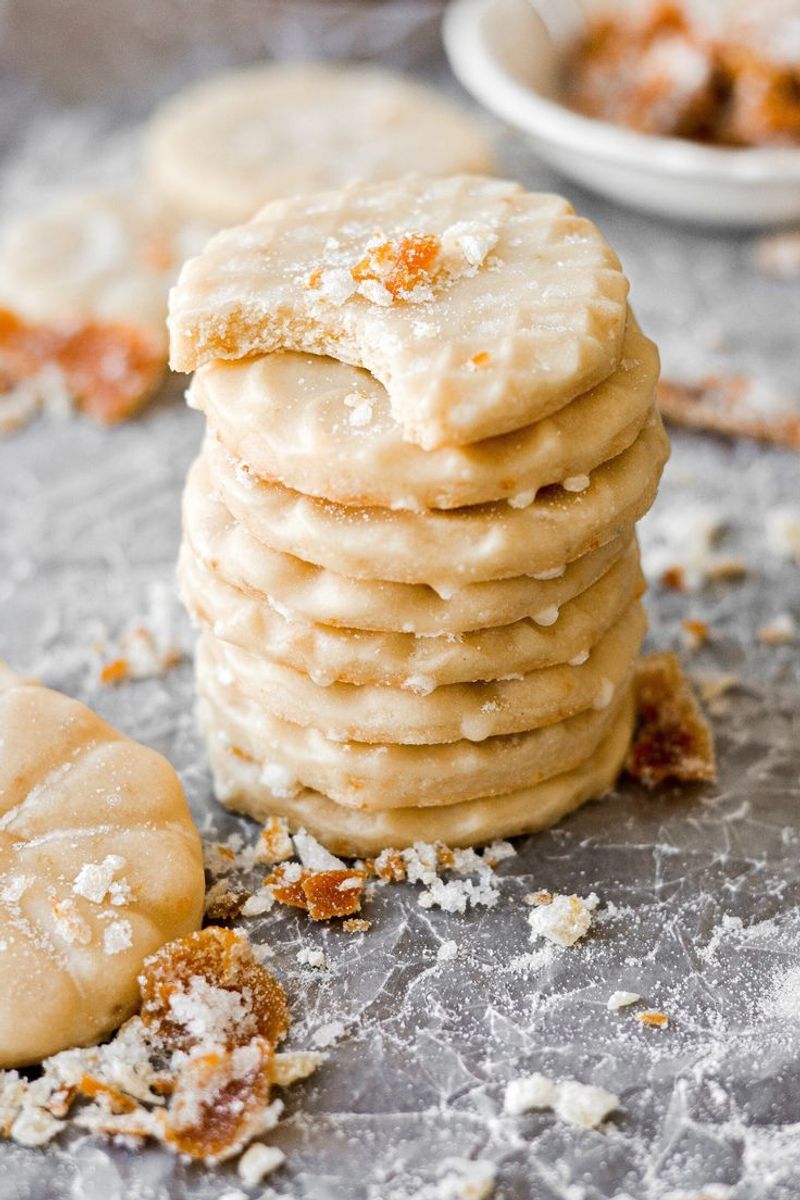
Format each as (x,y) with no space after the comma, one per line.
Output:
(698,891)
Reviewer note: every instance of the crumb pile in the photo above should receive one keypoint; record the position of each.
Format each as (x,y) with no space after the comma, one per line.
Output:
(195,1070)
(409,538)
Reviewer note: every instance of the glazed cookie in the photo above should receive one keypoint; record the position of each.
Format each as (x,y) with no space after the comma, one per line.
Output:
(100,864)
(377,777)
(447,550)
(325,429)
(220,150)
(480,307)
(306,592)
(370,713)
(83,296)
(240,785)
(327,654)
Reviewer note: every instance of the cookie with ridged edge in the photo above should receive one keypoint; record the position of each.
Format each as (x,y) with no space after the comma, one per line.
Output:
(239,785)
(447,550)
(304,591)
(325,429)
(399,659)
(100,864)
(479,306)
(474,711)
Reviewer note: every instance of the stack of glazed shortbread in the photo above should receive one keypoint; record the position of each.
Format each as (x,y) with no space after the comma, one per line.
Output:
(409,538)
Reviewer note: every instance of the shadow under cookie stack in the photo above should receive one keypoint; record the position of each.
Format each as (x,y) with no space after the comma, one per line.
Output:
(409,539)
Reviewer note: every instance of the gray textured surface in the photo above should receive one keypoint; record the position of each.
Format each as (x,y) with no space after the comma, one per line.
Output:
(705,883)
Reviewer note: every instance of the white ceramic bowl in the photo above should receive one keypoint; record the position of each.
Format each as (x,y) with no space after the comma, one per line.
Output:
(504,55)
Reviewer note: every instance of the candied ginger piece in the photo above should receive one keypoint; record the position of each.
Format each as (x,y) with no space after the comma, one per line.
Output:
(673,739)
(400,264)
(196,971)
(333,893)
(220,1102)
(323,894)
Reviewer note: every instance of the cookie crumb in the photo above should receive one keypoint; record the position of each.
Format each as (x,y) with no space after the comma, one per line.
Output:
(562,919)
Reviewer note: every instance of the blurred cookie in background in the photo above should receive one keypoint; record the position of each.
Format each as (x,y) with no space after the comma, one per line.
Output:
(221,149)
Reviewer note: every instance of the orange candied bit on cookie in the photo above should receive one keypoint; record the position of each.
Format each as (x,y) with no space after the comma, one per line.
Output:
(400,264)
(220,959)
(673,739)
(333,893)
(108,369)
(481,359)
(218,1100)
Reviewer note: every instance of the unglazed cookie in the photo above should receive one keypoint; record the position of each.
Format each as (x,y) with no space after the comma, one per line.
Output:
(306,592)
(83,294)
(221,149)
(239,785)
(325,429)
(480,307)
(381,776)
(356,656)
(100,864)
(447,550)
(474,711)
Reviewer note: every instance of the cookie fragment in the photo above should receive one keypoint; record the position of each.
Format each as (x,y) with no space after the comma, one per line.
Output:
(673,739)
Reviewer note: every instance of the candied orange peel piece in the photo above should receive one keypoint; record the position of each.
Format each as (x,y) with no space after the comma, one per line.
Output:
(224,959)
(333,893)
(115,671)
(654,1020)
(673,740)
(400,264)
(323,894)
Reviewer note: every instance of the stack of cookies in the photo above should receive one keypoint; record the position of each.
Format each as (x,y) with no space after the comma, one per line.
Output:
(409,538)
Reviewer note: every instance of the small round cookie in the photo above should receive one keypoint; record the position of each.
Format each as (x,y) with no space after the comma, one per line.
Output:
(480,307)
(328,655)
(346,712)
(83,292)
(447,550)
(221,149)
(386,776)
(325,429)
(239,785)
(303,591)
(100,864)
